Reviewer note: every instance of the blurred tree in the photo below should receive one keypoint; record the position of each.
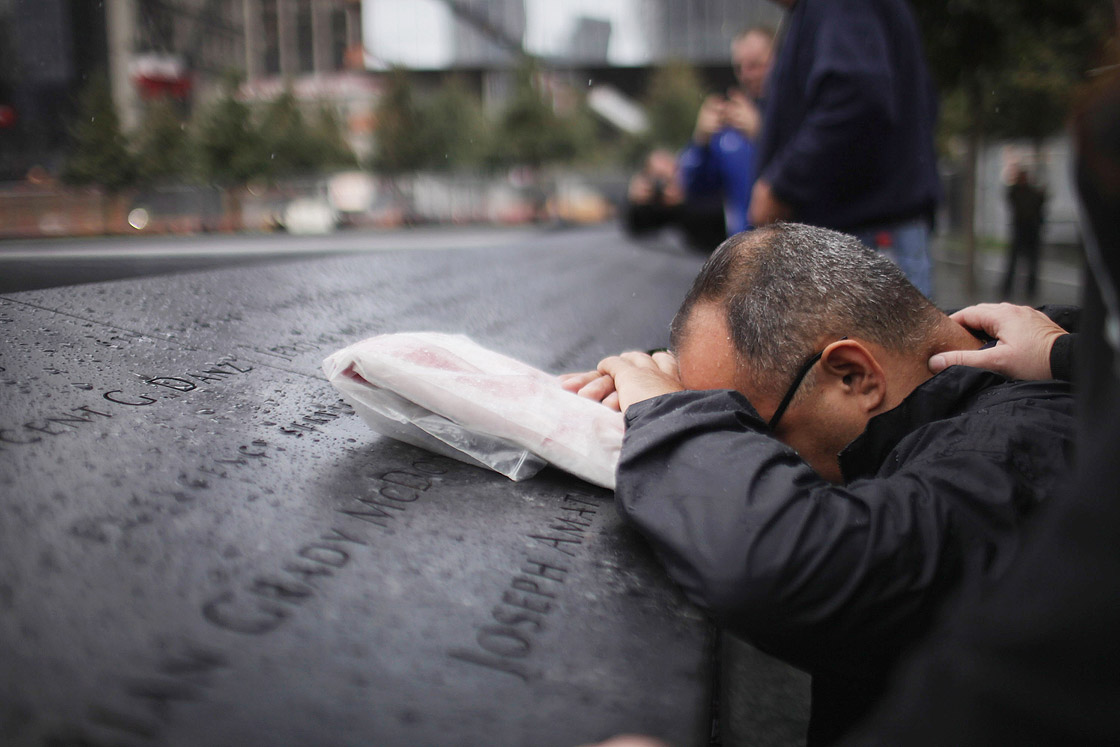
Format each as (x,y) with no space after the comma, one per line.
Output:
(291,145)
(1008,68)
(531,133)
(397,147)
(163,147)
(454,128)
(230,148)
(99,152)
(672,99)
(333,151)
(584,131)
(448,129)
(285,139)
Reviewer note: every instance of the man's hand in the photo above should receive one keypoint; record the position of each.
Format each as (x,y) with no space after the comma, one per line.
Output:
(639,376)
(622,380)
(766,208)
(1025,338)
(709,120)
(742,114)
(592,385)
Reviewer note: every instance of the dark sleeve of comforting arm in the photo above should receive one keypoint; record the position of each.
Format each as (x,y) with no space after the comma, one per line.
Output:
(816,573)
(1062,354)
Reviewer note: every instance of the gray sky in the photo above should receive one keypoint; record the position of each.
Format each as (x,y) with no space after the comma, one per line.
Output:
(417,33)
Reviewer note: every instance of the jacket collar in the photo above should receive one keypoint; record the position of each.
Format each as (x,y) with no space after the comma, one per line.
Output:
(943,396)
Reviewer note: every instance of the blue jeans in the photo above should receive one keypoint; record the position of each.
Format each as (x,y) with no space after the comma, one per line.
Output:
(907,244)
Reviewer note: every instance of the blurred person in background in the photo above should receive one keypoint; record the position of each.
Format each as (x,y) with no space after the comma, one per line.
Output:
(720,159)
(655,199)
(847,133)
(1027,203)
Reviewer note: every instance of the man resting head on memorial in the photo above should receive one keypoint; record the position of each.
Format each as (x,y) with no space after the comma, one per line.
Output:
(801,473)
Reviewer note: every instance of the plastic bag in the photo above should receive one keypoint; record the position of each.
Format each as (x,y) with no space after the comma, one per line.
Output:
(447,394)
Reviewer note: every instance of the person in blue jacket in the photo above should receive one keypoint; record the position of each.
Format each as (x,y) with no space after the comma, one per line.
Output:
(847,133)
(720,158)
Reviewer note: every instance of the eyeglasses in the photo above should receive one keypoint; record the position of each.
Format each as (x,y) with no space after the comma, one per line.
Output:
(801,374)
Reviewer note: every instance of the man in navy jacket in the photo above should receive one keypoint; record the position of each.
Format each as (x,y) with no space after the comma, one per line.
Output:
(847,134)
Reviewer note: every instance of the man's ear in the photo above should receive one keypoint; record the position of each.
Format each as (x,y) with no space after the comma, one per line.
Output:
(854,370)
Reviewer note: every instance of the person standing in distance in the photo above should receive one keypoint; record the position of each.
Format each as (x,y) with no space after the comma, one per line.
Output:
(1027,205)
(847,133)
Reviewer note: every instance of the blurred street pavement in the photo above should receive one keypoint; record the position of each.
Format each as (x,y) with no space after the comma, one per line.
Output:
(44,263)
(1059,277)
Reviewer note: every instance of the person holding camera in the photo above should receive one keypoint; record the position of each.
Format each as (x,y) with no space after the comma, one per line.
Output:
(720,158)
(655,200)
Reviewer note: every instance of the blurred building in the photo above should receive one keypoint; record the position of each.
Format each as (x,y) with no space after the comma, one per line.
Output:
(180,49)
(174,46)
(313,47)
(488,38)
(47,50)
(700,31)
(294,37)
(591,41)
(487,33)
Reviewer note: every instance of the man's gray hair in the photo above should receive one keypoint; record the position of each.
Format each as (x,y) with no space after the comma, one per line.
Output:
(786,286)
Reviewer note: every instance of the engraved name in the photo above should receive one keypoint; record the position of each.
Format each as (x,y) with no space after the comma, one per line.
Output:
(143,706)
(268,600)
(531,596)
(394,490)
(285,352)
(320,415)
(68,421)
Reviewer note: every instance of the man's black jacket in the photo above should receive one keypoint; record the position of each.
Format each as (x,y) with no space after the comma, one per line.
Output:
(839,579)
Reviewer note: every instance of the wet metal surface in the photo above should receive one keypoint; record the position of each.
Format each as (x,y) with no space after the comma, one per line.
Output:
(202,545)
